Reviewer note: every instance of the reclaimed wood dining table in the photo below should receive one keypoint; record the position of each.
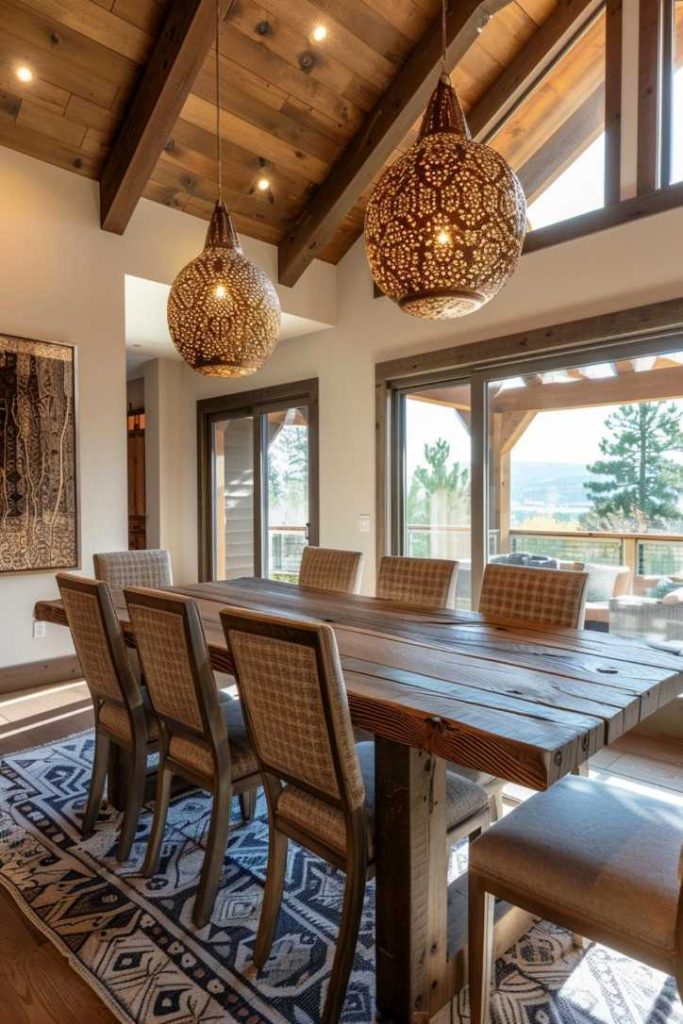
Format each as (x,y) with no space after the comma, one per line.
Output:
(526,704)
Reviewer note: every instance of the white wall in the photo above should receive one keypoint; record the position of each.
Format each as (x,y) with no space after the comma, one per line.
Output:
(63,279)
(626,266)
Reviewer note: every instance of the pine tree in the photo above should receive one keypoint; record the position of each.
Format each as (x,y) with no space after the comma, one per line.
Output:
(637,485)
(438,495)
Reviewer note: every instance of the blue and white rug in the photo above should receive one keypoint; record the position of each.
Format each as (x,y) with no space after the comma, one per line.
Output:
(133,941)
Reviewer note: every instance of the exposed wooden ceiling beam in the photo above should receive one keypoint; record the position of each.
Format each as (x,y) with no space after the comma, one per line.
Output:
(401,105)
(569,19)
(382,131)
(183,44)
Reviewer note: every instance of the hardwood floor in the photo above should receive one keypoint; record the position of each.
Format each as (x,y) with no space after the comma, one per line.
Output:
(36,982)
(37,985)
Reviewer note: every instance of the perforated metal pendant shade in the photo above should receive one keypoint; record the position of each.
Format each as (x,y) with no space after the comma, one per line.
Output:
(223,311)
(445,224)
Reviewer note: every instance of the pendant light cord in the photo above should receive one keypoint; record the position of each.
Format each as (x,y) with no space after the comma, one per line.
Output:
(444,40)
(218,109)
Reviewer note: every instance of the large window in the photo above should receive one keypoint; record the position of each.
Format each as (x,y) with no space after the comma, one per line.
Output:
(558,462)
(555,138)
(258,482)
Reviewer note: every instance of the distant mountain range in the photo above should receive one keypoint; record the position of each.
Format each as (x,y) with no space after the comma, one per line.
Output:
(548,485)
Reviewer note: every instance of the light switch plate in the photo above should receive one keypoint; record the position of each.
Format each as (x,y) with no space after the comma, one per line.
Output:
(39,630)
(364,523)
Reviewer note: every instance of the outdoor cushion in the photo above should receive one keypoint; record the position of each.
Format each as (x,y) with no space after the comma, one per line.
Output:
(601,580)
(607,856)
(673,596)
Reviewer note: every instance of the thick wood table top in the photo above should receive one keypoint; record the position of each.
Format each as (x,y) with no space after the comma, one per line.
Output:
(528,705)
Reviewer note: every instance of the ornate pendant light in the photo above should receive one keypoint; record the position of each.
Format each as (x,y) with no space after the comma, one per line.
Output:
(445,224)
(223,311)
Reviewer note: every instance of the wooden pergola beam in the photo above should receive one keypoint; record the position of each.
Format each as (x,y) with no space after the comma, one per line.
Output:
(567,22)
(621,390)
(167,80)
(385,127)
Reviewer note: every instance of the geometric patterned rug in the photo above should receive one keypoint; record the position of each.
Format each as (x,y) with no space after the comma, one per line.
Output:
(132,938)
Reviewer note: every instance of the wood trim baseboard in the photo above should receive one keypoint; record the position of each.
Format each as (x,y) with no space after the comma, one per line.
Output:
(39,673)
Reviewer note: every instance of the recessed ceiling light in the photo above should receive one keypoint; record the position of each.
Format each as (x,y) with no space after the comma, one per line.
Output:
(319,33)
(24,74)
(263,184)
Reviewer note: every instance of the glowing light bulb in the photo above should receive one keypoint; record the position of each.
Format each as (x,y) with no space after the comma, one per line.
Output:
(219,291)
(263,184)
(443,238)
(24,74)
(319,33)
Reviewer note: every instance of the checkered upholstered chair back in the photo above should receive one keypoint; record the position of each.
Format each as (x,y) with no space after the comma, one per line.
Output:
(147,568)
(175,661)
(330,569)
(99,642)
(421,582)
(292,689)
(548,597)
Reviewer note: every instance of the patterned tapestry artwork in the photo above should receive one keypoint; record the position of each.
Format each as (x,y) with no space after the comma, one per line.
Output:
(38,495)
(132,938)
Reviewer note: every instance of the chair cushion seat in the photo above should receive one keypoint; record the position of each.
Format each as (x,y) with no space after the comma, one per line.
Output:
(326,823)
(196,754)
(116,719)
(603,855)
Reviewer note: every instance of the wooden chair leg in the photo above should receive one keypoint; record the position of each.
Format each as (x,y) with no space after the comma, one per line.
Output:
(272,897)
(354,892)
(213,858)
(96,791)
(134,800)
(163,795)
(248,804)
(480,948)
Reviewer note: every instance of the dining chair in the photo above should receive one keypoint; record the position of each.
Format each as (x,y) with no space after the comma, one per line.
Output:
(122,712)
(331,569)
(202,733)
(320,786)
(538,597)
(593,858)
(150,567)
(420,582)
(530,597)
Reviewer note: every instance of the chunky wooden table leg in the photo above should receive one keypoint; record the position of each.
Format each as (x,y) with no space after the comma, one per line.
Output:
(412,867)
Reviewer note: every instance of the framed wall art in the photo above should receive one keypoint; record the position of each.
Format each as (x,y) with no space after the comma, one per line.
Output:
(39,527)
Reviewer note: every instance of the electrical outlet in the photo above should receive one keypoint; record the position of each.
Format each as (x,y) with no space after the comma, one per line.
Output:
(364,523)
(39,630)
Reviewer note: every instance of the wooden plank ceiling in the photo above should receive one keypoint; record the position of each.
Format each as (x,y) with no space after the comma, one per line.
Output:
(290,105)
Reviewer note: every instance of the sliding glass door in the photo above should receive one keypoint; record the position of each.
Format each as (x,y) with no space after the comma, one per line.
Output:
(258,482)
(433,517)
(564,461)
(586,472)
(286,497)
